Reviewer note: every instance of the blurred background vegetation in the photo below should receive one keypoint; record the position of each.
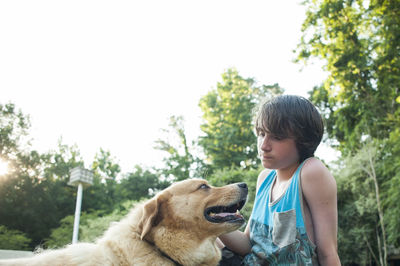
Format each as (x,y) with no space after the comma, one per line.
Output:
(359,42)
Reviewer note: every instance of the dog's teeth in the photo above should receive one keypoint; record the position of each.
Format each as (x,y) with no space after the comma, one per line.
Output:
(212,214)
(237,212)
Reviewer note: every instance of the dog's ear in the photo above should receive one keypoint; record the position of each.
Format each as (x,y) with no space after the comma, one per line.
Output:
(150,215)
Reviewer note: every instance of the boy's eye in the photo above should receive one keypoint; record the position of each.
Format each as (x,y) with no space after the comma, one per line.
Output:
(270,136)
(276,138)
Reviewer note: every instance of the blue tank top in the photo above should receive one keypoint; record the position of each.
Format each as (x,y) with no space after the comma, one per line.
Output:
(277,230)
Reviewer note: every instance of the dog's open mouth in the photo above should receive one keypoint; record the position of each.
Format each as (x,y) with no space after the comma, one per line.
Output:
(221,214)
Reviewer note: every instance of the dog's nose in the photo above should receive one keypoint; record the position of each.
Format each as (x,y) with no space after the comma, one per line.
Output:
(242,185)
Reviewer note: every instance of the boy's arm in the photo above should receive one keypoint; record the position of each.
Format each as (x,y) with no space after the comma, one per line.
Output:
(319,190)
(237,241)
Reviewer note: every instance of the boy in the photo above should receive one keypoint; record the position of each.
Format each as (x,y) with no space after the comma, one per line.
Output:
(294,217)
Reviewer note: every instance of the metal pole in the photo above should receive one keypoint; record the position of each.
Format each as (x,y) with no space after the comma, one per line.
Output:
(77,214)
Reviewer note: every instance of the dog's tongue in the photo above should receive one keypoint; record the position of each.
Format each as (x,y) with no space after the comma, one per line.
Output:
(225,214)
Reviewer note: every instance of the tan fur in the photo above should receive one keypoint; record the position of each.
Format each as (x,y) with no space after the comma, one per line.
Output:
(171,223)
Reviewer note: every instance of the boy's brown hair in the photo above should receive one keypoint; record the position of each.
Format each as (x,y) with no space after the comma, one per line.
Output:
(291,116)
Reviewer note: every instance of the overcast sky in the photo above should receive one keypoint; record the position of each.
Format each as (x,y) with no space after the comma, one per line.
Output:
(109,73)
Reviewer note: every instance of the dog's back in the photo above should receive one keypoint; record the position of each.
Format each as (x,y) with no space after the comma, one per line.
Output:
(120,245)
(78,254)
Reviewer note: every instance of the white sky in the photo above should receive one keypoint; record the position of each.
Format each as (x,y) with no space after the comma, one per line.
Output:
(109,73)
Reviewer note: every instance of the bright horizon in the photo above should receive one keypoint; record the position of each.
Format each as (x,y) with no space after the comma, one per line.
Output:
(109,74)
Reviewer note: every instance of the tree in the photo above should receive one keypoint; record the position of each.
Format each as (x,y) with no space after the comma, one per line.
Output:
(360,177)
(62,235)
(95,225)
(13,239)
(104,164)
(35,195)
(33,190)
(228,138)
(58,163)
(102,194)
(180,163)
(359,42)
(360,46)
(14,126)
(138,184)
(36,184)
(391,185)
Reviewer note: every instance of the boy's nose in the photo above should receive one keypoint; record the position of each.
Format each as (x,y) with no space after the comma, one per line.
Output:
(266,144)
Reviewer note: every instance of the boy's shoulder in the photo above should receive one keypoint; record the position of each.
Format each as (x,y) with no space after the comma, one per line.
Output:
(261,177)
(315,172)
(314,167)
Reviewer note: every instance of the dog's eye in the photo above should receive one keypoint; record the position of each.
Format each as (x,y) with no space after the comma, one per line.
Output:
(203,186)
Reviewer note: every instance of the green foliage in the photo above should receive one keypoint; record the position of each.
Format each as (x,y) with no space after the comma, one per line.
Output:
(391,169)
(136,185)
(27,204)
(35,196)
(179,162)
(229,139)
(14,126)
(360,45)
(102,194)
(95,226)
(91,226)
(359,41)
(359,207)
(57,163)
(33,189)
(13,239)
(61,235)
(105,166)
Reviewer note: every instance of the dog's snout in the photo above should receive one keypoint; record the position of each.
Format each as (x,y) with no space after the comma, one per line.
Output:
(242,185)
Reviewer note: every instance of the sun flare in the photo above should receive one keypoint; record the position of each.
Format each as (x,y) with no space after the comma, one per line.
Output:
(3,167)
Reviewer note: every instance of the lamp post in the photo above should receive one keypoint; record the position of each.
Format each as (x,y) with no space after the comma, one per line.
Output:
(79,177)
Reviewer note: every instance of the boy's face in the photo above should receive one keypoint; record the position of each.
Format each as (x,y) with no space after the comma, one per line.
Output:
(277,153)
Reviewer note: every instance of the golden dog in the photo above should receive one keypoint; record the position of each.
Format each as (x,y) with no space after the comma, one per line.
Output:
(177,226)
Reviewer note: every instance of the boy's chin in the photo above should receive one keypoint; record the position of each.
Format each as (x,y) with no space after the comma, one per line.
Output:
(267,164)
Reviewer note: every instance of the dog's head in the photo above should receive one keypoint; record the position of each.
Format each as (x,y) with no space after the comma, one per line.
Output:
(196,207)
